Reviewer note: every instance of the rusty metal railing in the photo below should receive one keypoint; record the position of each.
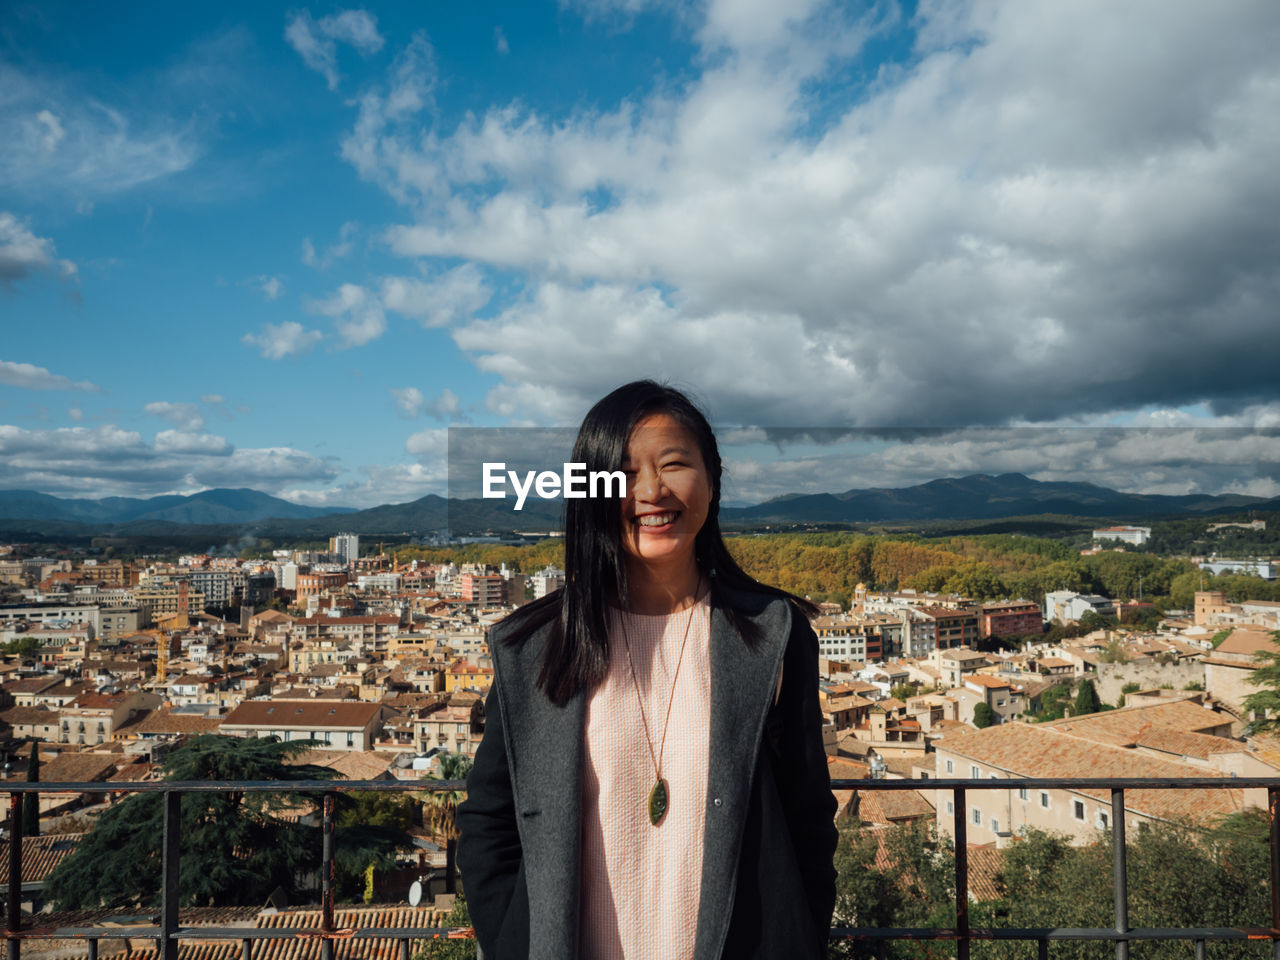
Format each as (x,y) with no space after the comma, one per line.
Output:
(170,932)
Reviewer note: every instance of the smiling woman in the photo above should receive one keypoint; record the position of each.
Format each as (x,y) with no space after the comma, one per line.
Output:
(652,780)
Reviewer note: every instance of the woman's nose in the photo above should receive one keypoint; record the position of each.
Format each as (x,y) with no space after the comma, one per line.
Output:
(648,485)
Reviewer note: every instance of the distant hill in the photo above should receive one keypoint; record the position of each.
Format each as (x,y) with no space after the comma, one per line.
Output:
(208,507)
(981,496)
(226,512)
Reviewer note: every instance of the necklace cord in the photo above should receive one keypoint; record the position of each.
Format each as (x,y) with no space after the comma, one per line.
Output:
(657,760)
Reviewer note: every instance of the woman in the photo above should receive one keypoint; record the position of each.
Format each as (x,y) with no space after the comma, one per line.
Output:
(652,780)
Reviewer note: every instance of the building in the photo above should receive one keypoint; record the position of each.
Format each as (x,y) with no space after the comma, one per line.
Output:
(482,589)
(1135,535)
(338,725)
(547,580)
(1010,618)
(1168,739)
(1249,568)
(1067,606)
(94,717)
(346,546)
(319,582)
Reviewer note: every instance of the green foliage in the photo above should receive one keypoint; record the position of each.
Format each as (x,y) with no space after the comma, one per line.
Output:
(1194,685)
(903,691)
(983,715)
(916,889)
(1264,704)
(1218,637)
(1051,704)
(1087,699)
(374,826)
(441,807)
(23,647)
(237,846)
(442,949)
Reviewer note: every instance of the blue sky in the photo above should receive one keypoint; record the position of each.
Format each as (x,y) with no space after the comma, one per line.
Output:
(286,248)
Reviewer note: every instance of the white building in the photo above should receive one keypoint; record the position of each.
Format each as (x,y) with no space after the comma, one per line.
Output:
(1252,568)
(347,546)
(1135,535)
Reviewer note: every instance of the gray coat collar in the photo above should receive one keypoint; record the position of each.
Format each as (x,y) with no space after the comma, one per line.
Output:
(545,755)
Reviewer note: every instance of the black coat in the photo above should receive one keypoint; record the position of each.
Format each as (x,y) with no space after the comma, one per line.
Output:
(768,884)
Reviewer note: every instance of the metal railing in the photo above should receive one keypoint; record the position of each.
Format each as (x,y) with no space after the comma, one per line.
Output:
(169,933)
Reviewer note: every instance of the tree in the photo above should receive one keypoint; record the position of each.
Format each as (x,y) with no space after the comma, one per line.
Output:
(31,804)
(1264,704)
(1087,700)
(236,846)
(442,949)
(983,715)
(442,810)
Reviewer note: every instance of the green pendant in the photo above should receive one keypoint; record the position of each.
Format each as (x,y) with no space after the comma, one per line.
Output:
(658,802)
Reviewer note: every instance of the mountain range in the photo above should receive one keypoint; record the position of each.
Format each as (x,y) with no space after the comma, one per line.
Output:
(980,496)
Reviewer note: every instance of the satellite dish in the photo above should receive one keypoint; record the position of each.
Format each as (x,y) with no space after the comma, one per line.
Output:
(415,893)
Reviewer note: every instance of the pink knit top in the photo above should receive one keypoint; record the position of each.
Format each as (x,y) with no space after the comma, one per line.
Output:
(641,883)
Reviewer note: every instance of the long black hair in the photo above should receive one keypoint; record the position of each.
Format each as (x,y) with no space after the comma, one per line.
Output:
(576,654)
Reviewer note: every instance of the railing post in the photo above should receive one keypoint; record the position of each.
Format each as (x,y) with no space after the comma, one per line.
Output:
(13,919)
(1273,806)
(1120,874)
(169,862)
(326,877)
(962,875)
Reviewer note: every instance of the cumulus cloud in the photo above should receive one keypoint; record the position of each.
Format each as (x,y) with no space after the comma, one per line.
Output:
(451,297)
(316,41)
(357,312)
(30,377)
(1045,211)
(409,401)
(271,287)
(277,340)
(110,461)
(22,253)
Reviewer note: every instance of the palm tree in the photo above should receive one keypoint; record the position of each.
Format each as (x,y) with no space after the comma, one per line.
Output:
(442,810)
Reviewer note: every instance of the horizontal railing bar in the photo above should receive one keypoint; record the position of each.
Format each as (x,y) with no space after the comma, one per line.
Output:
(1055,933)
(837,933)
(319,786)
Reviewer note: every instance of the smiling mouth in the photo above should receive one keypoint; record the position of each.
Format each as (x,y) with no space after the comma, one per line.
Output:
(657,519)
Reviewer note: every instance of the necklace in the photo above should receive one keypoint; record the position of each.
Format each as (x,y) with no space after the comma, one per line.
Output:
(658,796)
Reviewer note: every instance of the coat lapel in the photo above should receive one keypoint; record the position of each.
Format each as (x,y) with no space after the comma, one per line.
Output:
(742,687)
(544,748)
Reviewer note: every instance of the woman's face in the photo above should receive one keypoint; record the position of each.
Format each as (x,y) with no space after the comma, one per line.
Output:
(668,493)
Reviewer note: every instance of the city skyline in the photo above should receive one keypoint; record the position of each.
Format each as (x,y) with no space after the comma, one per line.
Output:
(286,249)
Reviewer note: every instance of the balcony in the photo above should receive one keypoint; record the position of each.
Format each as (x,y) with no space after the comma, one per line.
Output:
(1113,933)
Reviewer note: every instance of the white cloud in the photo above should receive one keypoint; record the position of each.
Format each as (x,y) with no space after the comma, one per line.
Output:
(56,136)
(22,253)
(314,40)
(184,441)
(1046,211)
(30,377)
(184,416)
(409,401)
(279,340)
(271,287)
(342,248)
(449,298)
(500,41)
(358,314)
(212,398)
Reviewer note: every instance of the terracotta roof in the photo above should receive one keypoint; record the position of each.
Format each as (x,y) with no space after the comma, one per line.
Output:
(1035,750)
(986,680)
(1125,726)
(76,768)
(1248,641)
(893,806)
(39,855)
(16,715)
(351,764)
(302,713)
(165,720)
(985,864)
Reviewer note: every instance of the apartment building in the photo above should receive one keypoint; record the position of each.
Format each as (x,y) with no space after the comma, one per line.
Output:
(338,725)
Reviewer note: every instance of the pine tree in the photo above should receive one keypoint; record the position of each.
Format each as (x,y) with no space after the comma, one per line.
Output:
(1087,700)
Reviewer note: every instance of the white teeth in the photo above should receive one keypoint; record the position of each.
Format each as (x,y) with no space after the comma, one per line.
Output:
(656,520)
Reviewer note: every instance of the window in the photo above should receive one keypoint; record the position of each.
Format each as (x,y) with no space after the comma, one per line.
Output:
(950,767)
(951,807)
(1024,793)
(1044,800)
(924,775)
(995,825)
(977,816)
(1077,809)
(975,771)
(1102,820)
